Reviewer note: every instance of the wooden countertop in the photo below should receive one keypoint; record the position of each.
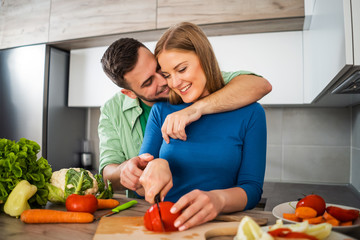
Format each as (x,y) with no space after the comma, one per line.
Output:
(12,228)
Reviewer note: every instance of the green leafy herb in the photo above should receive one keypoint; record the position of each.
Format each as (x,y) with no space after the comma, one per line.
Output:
(104,192)
(18,161)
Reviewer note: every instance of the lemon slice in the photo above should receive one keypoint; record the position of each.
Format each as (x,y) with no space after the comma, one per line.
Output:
(299,227)
(279,224)
(320,231)
(249,230)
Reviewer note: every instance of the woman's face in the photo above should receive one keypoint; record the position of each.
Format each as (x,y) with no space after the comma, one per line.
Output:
(184,74)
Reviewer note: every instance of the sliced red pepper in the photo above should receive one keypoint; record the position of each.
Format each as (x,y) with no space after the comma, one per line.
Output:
(280,232)
(343,215)
(300,235)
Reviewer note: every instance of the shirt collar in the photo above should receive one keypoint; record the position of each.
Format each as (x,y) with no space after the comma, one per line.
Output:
(130,103)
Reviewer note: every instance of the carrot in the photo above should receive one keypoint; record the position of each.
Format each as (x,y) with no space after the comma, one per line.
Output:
(333,222)
(305,212)
(315,220)
(107,203)
(55,216)
(291,217)
(328,216)
(348,223)
(330,219)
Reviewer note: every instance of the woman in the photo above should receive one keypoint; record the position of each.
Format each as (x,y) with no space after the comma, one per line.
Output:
(221,165)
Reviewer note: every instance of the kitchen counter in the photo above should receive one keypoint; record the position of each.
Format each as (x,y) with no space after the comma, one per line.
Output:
(12,228)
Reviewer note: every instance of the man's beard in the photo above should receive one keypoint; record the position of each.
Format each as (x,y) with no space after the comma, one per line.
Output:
(162,99)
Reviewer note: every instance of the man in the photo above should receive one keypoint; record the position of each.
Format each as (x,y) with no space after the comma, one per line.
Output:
(131,66)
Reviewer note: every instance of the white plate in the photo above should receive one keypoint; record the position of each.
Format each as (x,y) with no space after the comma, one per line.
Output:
(333,235)
(289,207)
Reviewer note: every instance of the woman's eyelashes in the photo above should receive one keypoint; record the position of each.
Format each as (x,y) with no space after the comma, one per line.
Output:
(181,70)
(165,75)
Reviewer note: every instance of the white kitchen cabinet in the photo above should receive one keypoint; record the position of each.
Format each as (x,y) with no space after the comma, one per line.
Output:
(88,84)
(330,48)
(275,56)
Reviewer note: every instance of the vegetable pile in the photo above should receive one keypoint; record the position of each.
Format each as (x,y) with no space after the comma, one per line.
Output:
(313,210)
(79,181)
(18,161)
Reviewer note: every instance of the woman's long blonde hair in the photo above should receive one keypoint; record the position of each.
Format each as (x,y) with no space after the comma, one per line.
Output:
(189,37)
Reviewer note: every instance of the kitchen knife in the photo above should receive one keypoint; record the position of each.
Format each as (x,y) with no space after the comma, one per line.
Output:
(157,200)
(117,209)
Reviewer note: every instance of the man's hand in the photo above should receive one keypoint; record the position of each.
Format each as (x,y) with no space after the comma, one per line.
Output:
(131,170)
(175,123)
(156,178)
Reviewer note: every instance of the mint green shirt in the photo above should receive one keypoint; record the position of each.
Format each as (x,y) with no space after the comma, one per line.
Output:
(120,132)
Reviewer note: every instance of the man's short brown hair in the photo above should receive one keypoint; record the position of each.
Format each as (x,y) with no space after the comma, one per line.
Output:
(119,59)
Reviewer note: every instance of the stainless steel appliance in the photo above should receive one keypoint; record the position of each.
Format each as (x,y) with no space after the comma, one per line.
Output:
(33,103)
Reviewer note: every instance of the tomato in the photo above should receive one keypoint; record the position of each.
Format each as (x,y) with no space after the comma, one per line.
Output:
(152,219)
(313,201)
(343,215)
(81,203)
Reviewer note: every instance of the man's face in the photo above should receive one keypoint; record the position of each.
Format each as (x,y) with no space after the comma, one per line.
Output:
(145,79)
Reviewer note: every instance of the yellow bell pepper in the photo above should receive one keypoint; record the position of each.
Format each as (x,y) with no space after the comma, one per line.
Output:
(17,202)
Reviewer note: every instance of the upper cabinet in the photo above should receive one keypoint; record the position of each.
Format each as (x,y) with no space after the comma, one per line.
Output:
(331,51)
(80,19)
(209,12)
(92,23)
(24,22)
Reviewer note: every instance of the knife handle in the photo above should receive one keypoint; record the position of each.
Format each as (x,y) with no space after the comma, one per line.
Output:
(124,206)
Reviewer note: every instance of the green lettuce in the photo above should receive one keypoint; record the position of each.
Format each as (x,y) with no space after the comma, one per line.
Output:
(18,161)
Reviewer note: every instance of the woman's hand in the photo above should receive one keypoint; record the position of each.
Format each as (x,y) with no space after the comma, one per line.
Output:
(156,178)
(197,207)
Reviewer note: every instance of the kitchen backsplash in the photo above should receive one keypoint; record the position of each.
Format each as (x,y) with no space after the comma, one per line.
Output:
(305,144)
(355,148)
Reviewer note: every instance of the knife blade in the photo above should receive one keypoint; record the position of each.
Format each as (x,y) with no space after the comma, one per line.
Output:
(157,200)
(117,209)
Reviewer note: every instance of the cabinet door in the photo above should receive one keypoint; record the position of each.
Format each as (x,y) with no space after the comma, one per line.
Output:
(88,84)
(328,47)
(278,57)
(206,12)
(88,18)
(23,22)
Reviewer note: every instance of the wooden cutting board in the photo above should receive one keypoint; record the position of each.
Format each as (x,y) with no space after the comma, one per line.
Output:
(113,228)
